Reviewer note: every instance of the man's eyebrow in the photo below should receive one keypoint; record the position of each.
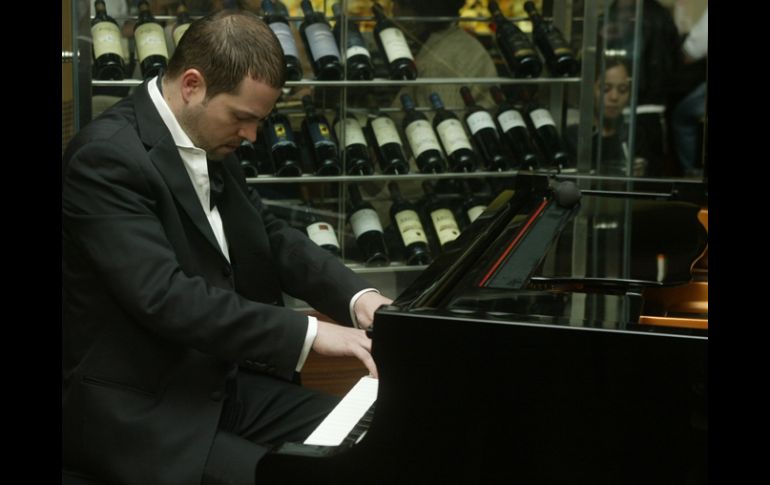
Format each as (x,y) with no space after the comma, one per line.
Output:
(248,114)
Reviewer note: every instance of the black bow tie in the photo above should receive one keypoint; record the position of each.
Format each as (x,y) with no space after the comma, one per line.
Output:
(216,182)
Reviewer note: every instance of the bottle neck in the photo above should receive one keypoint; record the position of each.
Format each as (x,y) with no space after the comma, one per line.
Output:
(355,195)
(307,104)
(395,193)
(500,21)
(379,15)
(534,16)
(436,103)
(268,7)
(307,8)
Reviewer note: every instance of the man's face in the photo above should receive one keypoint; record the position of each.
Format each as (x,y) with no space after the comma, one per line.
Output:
(218,125)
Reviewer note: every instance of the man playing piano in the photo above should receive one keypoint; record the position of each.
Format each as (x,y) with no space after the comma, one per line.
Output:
(179,359)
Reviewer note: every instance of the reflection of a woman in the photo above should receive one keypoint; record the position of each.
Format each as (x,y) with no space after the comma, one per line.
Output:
(612,92)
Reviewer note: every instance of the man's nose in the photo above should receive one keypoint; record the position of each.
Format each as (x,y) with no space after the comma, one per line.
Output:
(248,131)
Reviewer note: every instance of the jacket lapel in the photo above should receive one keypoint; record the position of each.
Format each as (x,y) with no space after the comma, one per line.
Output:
(256,277)
(165,157)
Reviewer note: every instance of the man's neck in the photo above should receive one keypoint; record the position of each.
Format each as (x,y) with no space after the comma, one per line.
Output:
(170,95)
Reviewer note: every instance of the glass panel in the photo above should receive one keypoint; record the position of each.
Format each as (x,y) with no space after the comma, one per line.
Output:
(514,117)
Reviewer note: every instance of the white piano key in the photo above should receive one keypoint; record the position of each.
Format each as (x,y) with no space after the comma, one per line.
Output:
(333,430)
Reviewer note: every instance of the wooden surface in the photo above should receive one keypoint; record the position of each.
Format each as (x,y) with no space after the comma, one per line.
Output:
(333,375)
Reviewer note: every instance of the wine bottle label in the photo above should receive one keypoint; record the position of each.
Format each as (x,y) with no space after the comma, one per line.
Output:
(445,224)
(541,117)
(511,119)
(453,136)
(321,41)
(394,43)
(322,234)
(421,137)
(385,131)
(356,50)
(320,134)
(365,220)
(179,32)
(518,44)
(475,212)
(480,120)
(279,135)
(106,38)
(409,226)
(353,133)
(558,44)
(286,39)
(150,41)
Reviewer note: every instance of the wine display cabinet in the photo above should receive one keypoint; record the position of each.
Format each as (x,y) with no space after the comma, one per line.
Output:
(399,124)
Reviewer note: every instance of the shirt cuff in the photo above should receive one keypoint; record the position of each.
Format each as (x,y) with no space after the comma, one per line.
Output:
(312,331)
(353,304)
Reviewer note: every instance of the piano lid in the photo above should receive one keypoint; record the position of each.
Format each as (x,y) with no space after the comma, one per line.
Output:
(535,256)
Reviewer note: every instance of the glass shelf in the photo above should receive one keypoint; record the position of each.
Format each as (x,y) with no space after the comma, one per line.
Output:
(566,174)
(377,177)
(386,82)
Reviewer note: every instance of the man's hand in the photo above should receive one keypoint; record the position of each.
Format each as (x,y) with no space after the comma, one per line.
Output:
(336,340)
(366,305)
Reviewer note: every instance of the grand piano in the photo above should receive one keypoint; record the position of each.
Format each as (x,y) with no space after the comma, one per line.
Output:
(551,343)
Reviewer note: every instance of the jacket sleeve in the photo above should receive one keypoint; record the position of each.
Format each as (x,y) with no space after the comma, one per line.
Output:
(307,271)
(111,199)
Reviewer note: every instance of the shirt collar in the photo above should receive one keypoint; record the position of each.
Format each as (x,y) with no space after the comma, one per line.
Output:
(181,139)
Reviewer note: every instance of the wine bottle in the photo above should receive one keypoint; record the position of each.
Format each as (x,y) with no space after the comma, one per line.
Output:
(443,221)
(405,218)
(422,139)
(247,157)
(280,27)
(358,60)
(183,22)
(322,147)
(356,152)
(484,133)
(365,222)
(547,137)
(556,51)
(454,141)
(391,41)
(151,49)
(387,144)
(320,44)
(518,51)
(280,142)
(515,131)
(107,51)
(473,205)
(318,230)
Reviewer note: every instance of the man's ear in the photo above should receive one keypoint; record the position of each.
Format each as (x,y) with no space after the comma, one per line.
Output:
(192,85)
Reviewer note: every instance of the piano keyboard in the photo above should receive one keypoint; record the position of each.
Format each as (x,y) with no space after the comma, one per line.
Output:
(348,421)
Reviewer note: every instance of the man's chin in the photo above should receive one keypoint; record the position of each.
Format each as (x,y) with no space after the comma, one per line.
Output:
(220,152)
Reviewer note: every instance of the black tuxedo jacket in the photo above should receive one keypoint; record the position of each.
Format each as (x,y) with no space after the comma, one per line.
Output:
(154,316)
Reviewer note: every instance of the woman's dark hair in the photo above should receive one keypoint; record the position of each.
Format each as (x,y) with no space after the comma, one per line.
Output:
(611,61)
(227,46)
